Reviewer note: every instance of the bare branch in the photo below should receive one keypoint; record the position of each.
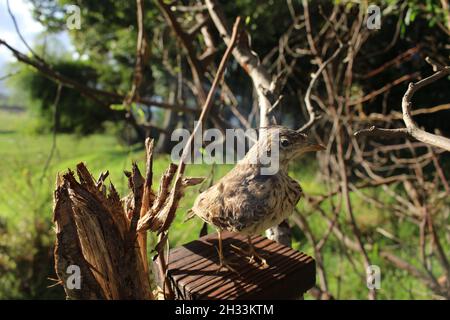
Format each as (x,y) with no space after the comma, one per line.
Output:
(382,133)
(383,89)
(101,97)
(186,41)
(309,107)
(16,26)
(398,59)
(412,130)
(248,60)
(141,52)
(55,130)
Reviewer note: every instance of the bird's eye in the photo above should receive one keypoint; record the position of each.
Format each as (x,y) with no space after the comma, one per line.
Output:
(284,143)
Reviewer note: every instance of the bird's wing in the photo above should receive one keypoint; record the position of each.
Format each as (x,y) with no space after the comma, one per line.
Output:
(238,200)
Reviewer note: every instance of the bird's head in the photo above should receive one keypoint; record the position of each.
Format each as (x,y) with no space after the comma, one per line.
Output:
(293,144)
(281,145)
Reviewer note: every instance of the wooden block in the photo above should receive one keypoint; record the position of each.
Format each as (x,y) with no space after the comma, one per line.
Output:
(193,270)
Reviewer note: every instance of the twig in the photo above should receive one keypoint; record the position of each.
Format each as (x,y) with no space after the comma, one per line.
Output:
(403,56)
(55,130)
(248,60)
(383,133)
(384,89)
(404,265)
(349,208)
(313,47)
(101,97)
(141,50)
(186,41)
(303,224)
(309,107)
(16,26)
(412,130)
(9,75)
(168,211)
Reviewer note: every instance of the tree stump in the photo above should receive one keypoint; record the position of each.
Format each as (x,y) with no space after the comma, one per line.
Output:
(95,241)
(101,239)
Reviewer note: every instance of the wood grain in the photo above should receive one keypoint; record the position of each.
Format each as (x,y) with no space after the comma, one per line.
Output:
(192,270)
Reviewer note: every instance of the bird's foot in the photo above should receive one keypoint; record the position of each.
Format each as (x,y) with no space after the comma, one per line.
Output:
(226,264)
(252,255)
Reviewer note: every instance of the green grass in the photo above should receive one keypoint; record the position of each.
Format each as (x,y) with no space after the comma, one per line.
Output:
(26,234)
(26,190)
(23,181)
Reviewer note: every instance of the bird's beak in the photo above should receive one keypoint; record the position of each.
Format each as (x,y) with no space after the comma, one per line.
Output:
(314,147)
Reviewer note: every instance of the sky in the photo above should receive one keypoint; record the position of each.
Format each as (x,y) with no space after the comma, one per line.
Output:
(29,28)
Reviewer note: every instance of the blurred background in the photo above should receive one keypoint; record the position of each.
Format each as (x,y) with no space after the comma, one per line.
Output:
(73,88)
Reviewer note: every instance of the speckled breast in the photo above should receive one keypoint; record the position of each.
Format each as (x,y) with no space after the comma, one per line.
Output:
(283,198)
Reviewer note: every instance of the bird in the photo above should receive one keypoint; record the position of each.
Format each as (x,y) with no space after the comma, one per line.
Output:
(249,199)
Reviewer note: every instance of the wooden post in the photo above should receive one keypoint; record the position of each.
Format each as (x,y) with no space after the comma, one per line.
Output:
(193,270)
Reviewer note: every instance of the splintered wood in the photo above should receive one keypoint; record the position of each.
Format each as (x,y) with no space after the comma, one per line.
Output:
(101,240)
(193,270)
(95,240)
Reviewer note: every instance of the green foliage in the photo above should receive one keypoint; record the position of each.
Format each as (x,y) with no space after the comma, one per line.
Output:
(107,36)
(26,234)
(76,113)
(431,10)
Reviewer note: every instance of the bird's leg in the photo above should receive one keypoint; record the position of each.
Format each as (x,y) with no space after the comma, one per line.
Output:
(223,262)
(251,253)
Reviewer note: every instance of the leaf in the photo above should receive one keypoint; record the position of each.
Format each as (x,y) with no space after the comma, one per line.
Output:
(140,113)
(117,107)
(402,31)
(413,16)
(408,16)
